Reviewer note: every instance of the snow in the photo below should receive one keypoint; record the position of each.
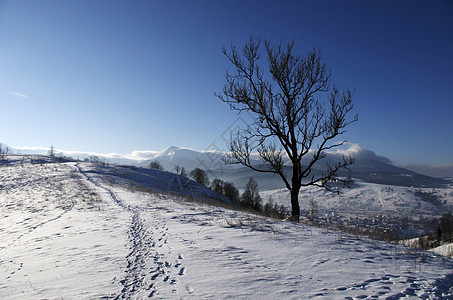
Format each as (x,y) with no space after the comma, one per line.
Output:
(370,197)
(82,230)
(446,250)
(409,211)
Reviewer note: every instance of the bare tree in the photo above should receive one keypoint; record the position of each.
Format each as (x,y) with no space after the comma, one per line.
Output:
(313,212)
(231,192)
(51,151)
(217,185)
(200,176)
(4,150)
(177,169)
(292,122)
(251,197)
(180,170)
(446,227)
(155,164)
(183,172)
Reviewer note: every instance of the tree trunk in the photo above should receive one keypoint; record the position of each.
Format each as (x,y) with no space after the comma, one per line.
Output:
(295,208)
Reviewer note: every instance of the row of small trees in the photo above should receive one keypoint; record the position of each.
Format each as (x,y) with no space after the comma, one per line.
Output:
(249,200)
(251,196)
(197,174)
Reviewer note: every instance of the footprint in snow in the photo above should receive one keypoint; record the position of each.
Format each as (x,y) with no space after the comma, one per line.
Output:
(190,290)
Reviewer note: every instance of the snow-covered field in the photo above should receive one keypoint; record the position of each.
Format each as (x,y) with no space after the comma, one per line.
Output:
(406,211)
(77,230)
(366,197)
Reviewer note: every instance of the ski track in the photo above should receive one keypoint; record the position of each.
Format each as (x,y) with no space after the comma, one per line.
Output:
(148,264)
(380,199)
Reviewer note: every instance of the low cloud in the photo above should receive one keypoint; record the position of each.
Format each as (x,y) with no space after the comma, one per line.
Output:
(33,150)
(336,154)
(135,155)
(357,152)
(18,95)
(142,155)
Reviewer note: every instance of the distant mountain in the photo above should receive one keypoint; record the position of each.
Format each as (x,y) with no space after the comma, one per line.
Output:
(385,173)
(368,167)
(188,158)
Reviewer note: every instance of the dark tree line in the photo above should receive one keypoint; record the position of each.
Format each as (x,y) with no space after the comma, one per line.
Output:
(250,198)
(445,229)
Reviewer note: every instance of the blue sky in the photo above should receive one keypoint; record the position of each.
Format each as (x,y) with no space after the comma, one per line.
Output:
(119,76)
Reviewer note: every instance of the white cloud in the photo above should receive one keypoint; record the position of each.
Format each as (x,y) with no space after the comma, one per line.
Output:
(142,155)
(134,155)
(37,150)
(21,95)
(346,150)
(356,151)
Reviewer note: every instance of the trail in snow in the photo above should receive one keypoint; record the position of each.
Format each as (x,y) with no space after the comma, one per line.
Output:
(380,199)
(146,262)
(109,191)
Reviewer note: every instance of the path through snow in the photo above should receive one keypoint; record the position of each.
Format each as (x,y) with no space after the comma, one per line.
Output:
(146,262)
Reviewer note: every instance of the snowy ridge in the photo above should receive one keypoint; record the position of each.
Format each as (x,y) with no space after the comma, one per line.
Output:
(118,242)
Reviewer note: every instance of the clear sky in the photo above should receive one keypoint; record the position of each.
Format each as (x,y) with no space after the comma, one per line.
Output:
(118,76)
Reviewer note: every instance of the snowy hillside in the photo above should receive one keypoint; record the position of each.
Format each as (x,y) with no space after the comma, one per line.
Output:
(404,212)
(78,230)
